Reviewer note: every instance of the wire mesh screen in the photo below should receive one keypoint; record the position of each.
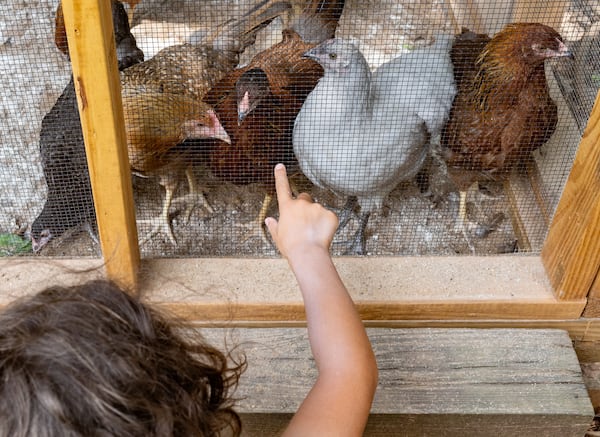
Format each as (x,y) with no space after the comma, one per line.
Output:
(432,127)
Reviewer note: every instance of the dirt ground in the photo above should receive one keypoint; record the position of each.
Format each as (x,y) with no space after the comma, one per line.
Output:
(411,223)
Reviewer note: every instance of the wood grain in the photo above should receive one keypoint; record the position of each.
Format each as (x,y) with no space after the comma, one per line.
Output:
(96,78)
(461,377)
(571,253)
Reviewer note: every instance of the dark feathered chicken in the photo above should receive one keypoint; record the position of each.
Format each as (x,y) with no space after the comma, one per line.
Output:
(503,110)
(359,134)
(69,202)
(257,104)
(184,73)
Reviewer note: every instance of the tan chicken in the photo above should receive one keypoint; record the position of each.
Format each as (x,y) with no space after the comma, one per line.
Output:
(154,126)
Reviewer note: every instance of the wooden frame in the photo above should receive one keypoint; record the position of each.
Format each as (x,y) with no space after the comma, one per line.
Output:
(558,282)
(96,78)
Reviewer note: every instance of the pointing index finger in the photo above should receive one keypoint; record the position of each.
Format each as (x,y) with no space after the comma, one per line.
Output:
(282,185)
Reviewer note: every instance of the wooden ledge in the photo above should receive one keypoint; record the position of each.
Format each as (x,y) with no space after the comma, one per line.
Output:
(264,290)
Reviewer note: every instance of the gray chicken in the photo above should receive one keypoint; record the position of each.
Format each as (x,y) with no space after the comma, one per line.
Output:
(360,134)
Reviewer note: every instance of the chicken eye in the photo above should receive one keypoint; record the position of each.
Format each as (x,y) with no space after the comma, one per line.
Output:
(332,55)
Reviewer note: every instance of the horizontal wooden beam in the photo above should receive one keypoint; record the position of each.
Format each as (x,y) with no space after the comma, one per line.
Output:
(382,310)
(532,11)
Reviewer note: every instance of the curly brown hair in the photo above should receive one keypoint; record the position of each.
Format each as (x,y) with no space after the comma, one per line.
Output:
(92,360)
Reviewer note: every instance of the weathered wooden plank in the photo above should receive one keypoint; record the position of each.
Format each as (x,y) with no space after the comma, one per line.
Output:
(571,253)
(580,329)
(96,78)
(381,425)
(591,377)
(516,380)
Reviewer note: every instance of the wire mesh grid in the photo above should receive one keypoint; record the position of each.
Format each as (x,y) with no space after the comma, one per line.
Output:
(398,122)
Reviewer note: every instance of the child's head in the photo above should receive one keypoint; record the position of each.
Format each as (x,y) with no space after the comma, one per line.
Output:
(91,360)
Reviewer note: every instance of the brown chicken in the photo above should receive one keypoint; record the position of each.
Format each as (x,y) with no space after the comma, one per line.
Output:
(257,104)
(503,110)
(154,126)
(159,98)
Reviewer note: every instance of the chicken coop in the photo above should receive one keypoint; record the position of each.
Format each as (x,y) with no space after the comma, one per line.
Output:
(459,146)
(199,194)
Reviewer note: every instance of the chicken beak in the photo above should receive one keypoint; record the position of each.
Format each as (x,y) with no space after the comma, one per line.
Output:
(563,51)
(220,134)
(312,54)
(243,108)
(217,131)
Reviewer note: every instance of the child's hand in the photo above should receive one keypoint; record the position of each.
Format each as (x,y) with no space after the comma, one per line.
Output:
(303,225)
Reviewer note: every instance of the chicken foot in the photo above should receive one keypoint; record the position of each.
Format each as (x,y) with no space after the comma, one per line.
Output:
(347,212)
(194,198)
(358,243)
(462,220)
(259,222)
(468,227)
(162,223)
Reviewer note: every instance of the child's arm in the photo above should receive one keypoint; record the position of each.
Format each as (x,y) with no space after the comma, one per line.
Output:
(340,400)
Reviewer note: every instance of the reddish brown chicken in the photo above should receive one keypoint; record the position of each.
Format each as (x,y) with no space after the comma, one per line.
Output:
(503,110)
(258,104)
(162,103)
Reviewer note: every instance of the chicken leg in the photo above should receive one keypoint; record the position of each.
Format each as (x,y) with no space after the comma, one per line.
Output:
(358,245)
(194,198)
(258,223)
(162,223)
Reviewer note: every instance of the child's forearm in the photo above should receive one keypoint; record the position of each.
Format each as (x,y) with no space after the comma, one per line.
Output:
(336,332)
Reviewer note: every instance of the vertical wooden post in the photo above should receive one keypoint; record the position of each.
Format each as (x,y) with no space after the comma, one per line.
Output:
(96,77)
(571,253)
